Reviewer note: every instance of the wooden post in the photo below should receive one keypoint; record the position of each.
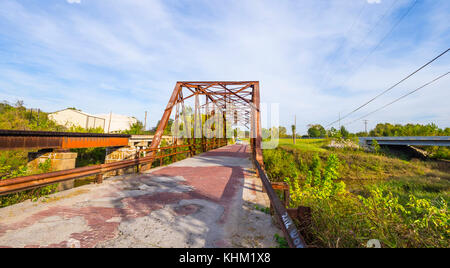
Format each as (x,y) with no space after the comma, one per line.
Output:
(99,178)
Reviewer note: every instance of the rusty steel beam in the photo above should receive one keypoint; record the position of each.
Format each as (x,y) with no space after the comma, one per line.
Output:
(193,83)
(18,139)
(165,118)
(220,93)
(257,124)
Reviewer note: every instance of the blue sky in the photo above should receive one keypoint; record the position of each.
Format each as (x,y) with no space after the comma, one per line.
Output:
(126,56)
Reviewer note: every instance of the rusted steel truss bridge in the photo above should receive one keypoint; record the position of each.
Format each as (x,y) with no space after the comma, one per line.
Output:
(204,116)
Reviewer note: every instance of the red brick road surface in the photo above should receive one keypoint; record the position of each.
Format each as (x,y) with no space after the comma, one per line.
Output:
(210,200)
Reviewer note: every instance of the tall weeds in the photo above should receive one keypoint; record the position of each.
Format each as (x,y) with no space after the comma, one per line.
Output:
(344,219)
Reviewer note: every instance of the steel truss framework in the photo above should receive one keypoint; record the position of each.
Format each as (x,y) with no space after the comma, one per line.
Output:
(218,103)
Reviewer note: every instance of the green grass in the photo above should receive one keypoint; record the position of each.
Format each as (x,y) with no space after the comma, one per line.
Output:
(281,241)
(360,165)
(400,201)
(314,145)
(263,209)
(359,169)
(429,188)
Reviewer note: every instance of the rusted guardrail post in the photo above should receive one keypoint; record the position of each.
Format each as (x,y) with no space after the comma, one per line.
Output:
(283,186)
(99,178)
(292,235)
(174,157)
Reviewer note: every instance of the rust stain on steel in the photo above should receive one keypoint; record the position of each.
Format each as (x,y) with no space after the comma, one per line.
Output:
(11,140)
(22,142)
(89,142)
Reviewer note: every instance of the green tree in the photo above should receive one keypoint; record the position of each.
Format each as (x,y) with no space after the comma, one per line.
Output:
(168,128)
(387,130)
(235,132)
(136,128)
(316,131)
(282,132)
(344,132)
(18,117)
(333,133)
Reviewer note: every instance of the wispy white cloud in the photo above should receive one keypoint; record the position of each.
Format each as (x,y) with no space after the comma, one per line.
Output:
(127,55)
(74,1)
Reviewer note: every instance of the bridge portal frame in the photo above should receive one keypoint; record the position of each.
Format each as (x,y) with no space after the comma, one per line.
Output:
(244,96)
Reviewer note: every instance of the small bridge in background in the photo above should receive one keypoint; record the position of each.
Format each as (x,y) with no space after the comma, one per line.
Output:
(407,141)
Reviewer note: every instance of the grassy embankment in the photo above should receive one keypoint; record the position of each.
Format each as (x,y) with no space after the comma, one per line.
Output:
(356,196)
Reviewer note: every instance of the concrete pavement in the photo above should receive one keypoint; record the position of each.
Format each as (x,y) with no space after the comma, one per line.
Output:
(210,200)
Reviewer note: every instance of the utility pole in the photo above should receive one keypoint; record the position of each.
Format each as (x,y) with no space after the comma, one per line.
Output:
(295,128)
(365,122)
(145,121)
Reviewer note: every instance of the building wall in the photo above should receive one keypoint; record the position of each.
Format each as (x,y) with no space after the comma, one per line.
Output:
(118,122)
(69,118)
(94,122)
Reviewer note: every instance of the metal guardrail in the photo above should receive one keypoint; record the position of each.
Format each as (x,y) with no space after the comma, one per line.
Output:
(292,235)
(19,184)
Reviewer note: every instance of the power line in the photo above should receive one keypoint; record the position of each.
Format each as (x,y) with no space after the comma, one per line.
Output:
(348,32)
(383,39)
(382,93)
(402,97)
(379,21)
(364,38)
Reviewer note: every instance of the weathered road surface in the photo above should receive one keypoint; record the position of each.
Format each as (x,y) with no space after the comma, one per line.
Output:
(210,200)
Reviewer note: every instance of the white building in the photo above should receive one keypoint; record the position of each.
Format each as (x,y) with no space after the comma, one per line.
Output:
(117,122)
(71,117)
(108,122)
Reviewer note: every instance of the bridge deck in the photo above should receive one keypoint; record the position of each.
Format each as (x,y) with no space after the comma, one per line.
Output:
(206,201)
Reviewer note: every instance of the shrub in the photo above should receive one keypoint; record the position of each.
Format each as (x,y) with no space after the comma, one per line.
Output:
(34,194)
(280,164)
(376,146)
(343,219)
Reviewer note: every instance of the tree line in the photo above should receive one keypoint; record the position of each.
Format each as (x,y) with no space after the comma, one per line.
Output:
(381,130)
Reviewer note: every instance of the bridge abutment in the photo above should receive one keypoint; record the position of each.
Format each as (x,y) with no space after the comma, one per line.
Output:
(115,154)
(58,160)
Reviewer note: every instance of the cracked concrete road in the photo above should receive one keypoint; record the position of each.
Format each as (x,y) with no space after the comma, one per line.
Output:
(210,200)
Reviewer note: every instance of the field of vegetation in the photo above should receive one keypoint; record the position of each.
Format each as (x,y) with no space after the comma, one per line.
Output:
(357,195)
